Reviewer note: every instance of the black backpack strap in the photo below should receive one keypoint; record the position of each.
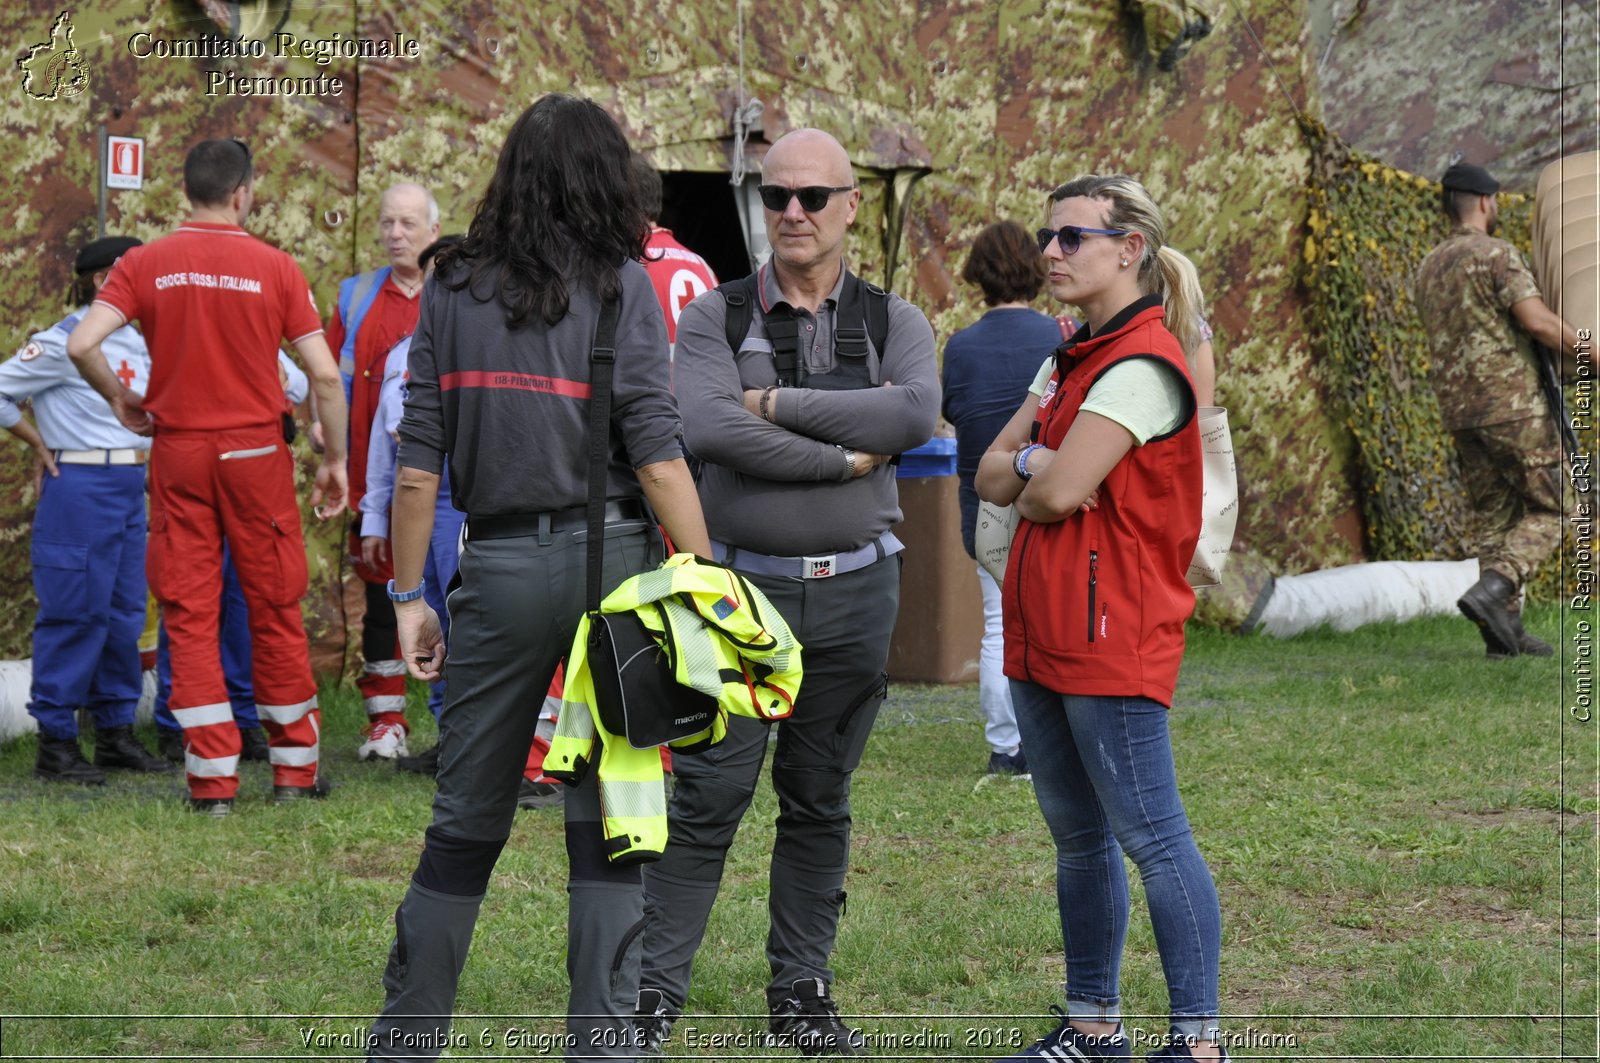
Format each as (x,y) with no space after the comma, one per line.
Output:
(863,312)
(602,360)
(740,296)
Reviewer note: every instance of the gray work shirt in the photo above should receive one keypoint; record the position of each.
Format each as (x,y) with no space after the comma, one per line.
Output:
(511,406)
(775,488)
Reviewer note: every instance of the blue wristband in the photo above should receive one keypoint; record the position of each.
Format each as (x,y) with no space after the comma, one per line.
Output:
(406,596)
(1022,460)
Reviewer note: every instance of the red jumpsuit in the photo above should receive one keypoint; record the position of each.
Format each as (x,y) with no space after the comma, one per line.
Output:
(214,303)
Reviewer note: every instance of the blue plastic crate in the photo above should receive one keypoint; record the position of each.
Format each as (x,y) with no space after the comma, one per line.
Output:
(936,457)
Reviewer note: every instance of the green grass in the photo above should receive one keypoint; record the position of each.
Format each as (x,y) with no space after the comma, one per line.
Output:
(1402,834)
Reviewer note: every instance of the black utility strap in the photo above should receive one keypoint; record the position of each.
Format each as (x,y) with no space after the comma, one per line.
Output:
(602,360)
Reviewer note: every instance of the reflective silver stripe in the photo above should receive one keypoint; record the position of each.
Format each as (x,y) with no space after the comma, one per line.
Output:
(386,703)
(220,768)
(293,756)
(286,714)
(388,668)
(253,452)
(203,715)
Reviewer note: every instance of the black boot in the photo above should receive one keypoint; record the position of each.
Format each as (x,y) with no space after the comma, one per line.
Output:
(1487,603)
(253,744)
(115,747)
(60,760)
(424,763)
(170,744)
(1527,645)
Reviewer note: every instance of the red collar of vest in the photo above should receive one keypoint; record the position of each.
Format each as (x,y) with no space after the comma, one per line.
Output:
(1141,310)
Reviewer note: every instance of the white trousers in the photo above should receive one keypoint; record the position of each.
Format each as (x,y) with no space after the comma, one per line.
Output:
(994,689)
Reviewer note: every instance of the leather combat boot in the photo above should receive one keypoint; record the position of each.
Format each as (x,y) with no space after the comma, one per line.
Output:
(60,760)
(1527,645)
(115,747)
(1487,603)
(253,745)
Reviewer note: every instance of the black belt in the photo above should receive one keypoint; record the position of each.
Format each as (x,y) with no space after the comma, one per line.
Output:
(554,522)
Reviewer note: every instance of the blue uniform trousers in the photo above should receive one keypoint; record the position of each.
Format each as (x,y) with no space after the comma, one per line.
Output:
(444,558)
(234,634)
(88,574)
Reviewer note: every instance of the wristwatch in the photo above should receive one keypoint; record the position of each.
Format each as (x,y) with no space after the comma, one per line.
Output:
(849,462)
(406,596)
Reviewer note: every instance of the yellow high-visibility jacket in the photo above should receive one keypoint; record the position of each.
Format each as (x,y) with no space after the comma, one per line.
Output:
(730,643)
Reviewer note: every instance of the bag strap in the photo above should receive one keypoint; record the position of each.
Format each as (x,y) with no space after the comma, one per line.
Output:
(602,360)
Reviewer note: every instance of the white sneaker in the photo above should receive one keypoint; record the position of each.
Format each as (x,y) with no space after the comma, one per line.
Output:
(386,741)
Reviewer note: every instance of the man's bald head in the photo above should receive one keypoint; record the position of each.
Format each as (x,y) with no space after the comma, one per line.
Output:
(809,242)
(818,148)
(408,221)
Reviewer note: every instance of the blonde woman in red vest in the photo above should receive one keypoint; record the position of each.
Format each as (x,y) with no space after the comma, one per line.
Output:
(1104,470)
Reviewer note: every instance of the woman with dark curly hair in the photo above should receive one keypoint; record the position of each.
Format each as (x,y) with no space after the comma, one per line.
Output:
(499,388)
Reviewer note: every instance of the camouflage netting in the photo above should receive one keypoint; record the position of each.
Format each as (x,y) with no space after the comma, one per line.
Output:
(1369,228)
(956,112)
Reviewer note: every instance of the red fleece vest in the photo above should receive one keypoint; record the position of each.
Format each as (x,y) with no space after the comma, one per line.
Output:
(1095,604)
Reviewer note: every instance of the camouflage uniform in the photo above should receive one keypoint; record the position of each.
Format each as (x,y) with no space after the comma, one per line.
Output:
(1485,375)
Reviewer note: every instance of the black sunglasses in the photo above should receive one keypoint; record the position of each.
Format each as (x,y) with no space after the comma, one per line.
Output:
(1071,237)
(249,165)
(812,197)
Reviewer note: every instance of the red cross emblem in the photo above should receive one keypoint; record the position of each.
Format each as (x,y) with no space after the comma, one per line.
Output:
(126,375)
(685,288)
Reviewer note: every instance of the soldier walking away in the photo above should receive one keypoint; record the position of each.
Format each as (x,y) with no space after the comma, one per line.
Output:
(1483,312)
(88,538)
(797,385)
(215,303)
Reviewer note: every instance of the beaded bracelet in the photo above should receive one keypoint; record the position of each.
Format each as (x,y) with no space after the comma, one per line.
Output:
(766,398)
(1021,465)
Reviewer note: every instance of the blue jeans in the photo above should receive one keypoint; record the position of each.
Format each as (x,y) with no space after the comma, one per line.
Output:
(1103,774)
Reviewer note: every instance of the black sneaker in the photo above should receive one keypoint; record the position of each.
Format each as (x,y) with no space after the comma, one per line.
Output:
(285,795)
(215,807)
(538,794)
(424,763)
(652,1022)
(253,744)
(1067,1043)
(1008,763)
(809,1023)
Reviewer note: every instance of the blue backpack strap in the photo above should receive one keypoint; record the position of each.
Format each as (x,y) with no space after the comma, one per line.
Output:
(356,295)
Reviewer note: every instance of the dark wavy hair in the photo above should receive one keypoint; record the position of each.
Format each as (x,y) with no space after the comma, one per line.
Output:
(1005,262)
(560,214)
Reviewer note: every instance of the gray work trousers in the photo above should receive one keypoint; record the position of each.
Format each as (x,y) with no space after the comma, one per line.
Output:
(513,618)
(844,624)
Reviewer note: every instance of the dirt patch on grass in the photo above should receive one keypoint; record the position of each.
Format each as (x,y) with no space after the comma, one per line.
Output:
(1513,817)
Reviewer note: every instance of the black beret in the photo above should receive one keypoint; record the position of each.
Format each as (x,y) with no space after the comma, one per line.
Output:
(1465,177)
(101,253)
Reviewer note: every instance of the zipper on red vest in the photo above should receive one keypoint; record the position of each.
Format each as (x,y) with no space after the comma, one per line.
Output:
(1094,568)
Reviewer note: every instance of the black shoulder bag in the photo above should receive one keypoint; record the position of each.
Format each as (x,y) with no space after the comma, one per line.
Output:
(636,691)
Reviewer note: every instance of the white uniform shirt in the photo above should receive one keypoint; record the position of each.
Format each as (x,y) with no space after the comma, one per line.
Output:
(70,414)
(381,442)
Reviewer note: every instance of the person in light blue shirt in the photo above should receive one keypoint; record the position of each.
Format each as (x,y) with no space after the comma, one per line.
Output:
(444,554)
(88,538)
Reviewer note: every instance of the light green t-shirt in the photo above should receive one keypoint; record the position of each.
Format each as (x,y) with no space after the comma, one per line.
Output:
(1143,395)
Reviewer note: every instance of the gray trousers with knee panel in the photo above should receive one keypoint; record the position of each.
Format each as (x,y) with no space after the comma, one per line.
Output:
(513,618)
(844,624)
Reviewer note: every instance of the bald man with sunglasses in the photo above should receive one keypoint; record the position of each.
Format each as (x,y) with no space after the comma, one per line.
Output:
(795,424)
